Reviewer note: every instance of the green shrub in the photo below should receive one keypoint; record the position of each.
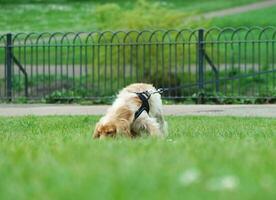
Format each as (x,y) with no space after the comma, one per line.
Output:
(143,15)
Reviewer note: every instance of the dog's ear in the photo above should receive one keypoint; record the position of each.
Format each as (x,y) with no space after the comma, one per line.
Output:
(105,130)
(123,127)
(96,133)
(109,129)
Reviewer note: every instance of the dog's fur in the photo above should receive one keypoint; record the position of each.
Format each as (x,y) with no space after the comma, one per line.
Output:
(119,118)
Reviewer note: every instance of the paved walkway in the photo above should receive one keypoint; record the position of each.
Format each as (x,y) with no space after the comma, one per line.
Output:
(240,9)
(209,110)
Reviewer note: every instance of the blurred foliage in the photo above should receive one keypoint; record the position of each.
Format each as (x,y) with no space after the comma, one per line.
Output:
(47,1)
(143,15)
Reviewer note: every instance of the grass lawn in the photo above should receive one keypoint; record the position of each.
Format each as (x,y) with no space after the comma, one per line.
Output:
(70,16)
(202,6)
(263,17)
(203,158)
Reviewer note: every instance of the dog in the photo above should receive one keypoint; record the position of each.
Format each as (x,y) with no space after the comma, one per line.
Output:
(120,118)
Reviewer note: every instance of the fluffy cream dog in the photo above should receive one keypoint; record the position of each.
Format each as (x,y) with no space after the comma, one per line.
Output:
(120,117)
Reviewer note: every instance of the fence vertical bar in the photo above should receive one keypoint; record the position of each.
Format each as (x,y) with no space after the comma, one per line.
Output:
(200,47)
(9,66)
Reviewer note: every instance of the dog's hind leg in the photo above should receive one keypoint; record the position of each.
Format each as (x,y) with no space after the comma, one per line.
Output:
(153,128)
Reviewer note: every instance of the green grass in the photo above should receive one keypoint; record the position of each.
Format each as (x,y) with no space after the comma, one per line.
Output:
(263,17)
(46,17)
(203,158)
(71,16)
(202,6)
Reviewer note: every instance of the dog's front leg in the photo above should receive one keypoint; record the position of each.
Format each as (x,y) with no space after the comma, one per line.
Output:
(125,132)
(150,124)
(124,128)
(153,128)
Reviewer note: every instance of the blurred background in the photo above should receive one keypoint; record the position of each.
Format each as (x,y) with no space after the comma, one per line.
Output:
(62,51)
(90,15)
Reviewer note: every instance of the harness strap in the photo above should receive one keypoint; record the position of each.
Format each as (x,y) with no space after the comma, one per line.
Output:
(144,96)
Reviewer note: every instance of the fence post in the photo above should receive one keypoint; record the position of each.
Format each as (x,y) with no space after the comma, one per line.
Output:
(200,47)
(9,66)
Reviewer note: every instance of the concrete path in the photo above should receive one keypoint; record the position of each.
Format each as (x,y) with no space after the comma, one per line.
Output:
(240,9)
(208,110)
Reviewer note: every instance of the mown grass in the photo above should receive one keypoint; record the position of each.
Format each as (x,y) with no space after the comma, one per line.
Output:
(203,158)
(202,6)
(263,17)
(20,16)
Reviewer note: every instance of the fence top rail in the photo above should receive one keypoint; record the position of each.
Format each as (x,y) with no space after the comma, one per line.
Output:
(214,34)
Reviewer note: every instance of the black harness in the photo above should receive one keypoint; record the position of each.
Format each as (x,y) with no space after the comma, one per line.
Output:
(144,96)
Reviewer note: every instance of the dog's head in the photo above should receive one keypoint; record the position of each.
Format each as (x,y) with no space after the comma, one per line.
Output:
(118,125)
(105,130)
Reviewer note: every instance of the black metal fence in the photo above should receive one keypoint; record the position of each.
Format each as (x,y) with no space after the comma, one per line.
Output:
(227,63)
